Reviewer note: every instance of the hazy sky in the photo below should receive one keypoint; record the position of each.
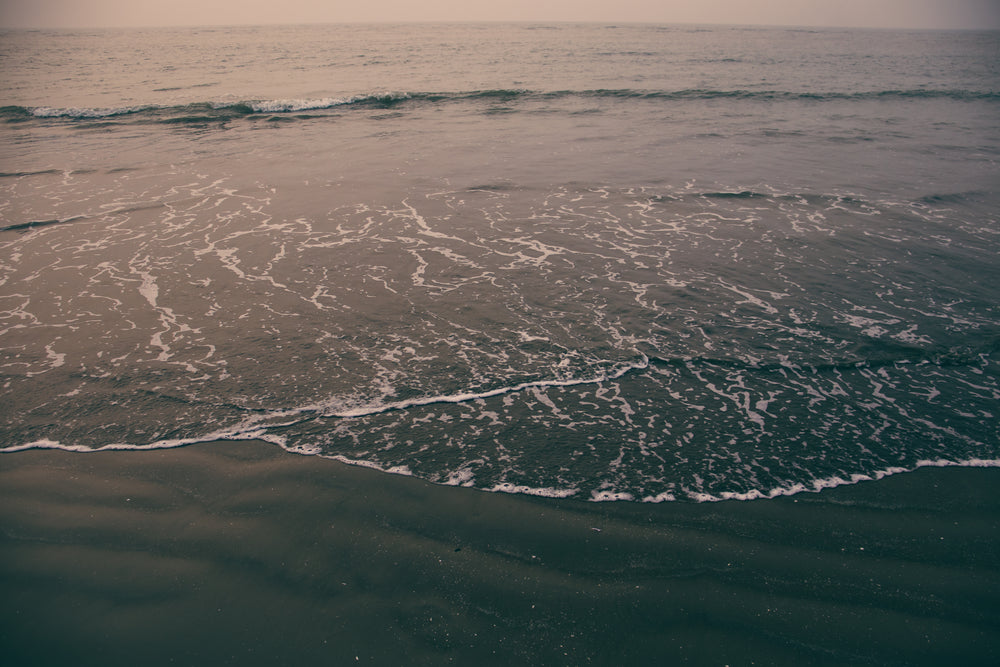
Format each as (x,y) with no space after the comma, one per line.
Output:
(874,13)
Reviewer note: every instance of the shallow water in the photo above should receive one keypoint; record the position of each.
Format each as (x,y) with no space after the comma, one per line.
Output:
(642,262)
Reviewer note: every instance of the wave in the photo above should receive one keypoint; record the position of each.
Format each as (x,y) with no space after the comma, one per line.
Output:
(220,112)
(767,95)
(19,174)
(383,100)
(25,226)
(953,197)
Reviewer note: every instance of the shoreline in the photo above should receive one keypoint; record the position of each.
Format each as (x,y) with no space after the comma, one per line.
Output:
(243,553)
(816,486)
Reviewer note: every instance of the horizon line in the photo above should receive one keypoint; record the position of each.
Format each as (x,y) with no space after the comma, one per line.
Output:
(607,24)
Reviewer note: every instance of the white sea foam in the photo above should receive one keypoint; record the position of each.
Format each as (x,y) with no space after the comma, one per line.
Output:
(607,496)
(361,463)
(818,485)
(43,444)
(84,112)
(311,104)
(283,106)
(58,358)
(753,300)
(969,463)
(545,492)
(52,444)
(463,477)
(340,410)
(666,496)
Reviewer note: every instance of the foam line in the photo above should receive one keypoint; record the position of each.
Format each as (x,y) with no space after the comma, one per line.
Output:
(818,485)
(596,496)
(465,397)
(254,429)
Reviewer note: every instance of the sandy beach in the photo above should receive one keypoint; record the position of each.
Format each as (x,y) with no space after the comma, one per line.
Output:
(240,553)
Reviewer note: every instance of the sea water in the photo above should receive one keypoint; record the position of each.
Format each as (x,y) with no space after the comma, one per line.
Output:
(607,262)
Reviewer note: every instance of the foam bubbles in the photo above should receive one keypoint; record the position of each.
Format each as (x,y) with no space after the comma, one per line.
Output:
(598,343)
(546,492)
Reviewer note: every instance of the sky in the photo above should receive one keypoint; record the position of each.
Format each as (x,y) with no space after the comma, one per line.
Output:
(947,14)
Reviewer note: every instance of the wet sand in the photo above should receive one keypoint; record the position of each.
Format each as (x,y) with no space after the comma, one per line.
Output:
(240,553)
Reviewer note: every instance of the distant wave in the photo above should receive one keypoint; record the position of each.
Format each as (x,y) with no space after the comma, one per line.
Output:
(32,224)
(707,94)
(216,111)
(197,112)
(292,105)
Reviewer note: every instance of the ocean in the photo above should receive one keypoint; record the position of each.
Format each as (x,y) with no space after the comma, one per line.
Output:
(600,262)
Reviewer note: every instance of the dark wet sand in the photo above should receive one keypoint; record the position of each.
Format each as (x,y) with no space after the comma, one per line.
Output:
(242,554)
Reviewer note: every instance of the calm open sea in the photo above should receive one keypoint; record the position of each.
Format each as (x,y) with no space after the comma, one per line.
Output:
(606,262)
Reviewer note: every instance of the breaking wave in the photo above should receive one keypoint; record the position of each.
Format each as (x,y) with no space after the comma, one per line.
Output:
(218,111)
